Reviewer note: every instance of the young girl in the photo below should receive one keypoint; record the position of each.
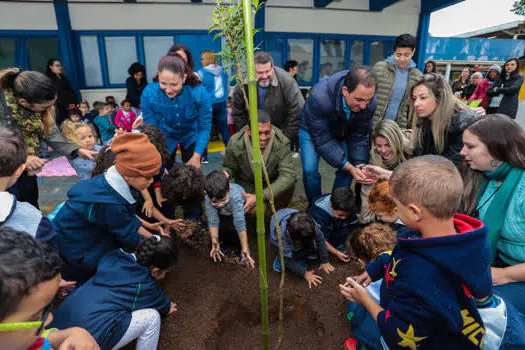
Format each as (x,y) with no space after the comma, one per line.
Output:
(122,301)
(69,125)
(125,116)
(84,107)
(86,140)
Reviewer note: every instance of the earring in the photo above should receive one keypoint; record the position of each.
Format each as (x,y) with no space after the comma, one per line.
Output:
(495,163)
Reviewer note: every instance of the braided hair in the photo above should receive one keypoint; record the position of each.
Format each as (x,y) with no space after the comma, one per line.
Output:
(157,251)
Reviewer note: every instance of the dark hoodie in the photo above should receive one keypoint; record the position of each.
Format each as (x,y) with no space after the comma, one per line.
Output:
(98,217)
(103,305)
(429,288)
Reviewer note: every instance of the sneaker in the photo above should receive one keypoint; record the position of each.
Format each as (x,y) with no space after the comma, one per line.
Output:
(204,160)
(277,265)
(350,344)
(295,154)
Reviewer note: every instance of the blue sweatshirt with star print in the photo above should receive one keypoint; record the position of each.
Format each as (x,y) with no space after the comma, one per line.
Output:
(429,286)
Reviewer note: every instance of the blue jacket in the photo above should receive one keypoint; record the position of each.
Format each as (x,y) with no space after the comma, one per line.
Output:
(103,305)
(106,127)
(429,288)
(98,217)
(323,116)
(185,119)
(217,88)
(335,231)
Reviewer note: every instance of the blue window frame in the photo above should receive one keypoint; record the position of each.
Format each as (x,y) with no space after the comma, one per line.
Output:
(28,49)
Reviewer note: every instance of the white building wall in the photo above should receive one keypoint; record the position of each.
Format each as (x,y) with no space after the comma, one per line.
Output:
(93,95)
(27,16)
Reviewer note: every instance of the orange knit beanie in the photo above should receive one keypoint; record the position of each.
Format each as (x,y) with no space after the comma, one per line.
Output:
(136,156)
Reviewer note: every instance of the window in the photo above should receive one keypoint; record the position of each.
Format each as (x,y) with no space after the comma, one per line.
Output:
(121,52)
(357,53)
(91,60)
(154,48)
(377,52)
(302,50)
(275,48)
(332,57)
(7,53)
(40,50)
(198,43)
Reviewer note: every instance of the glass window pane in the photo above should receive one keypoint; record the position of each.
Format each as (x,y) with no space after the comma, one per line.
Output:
(357,52)
(7,53)
(377,53)
(275,48)
(91,59)
(302,50)
(198,43)
(154,48)
(332,57)
(40,50)
(121,52)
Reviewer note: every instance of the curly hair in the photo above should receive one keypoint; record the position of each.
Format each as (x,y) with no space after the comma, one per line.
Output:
(380,199)
(183,182)
(106,158)
(157,139)
(367,243)
(157,251)
(135,68)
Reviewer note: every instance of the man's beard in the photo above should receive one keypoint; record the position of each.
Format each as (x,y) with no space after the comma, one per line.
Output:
(264,84)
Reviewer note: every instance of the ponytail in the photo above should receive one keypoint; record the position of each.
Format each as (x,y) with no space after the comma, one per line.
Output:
(157,251)
(175,64)
(8,77)
(34,87)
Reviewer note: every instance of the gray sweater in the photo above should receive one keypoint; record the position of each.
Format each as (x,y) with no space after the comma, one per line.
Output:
(234,207)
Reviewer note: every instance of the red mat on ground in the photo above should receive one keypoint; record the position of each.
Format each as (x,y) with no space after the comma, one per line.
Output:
(57,167)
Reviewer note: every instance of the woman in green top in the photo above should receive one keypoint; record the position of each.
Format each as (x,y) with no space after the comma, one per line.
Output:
(494,156)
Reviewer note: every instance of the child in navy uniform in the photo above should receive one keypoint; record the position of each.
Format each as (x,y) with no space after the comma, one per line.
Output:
(336,217)
(432,279)
(122,301)
(301,241)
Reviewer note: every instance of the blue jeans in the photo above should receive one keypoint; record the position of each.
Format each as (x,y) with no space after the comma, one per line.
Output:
(220,116)
(513,293)
(310,164)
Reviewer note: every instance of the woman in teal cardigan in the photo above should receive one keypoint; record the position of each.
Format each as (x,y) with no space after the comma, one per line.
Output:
(494,174)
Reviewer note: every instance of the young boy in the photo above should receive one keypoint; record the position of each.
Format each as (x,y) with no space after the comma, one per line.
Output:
(301,241)
(224,204)
(336,217)
(29,275)
(427,295)
(19,215)
(99,215)
(106,126)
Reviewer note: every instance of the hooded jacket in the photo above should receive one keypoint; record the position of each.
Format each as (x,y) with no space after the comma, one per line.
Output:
(215,81)
(103,305)
(98,217)
(429,288)
(22,216)
(385,76)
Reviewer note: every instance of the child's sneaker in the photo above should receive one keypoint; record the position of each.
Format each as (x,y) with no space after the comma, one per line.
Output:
(277,267)
(350,344)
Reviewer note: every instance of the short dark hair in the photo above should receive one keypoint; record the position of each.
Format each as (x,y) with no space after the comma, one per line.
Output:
(217,185)
(97,104)
(263,117)
(359,75)
(301,227)
(290,64)
(343,199)
(135,68)
(74,111)
(110,97)
(161,253)
(25,262)
(13,151)
(263,57)
(101,105)
(124,102)
(183,182)
(405,40)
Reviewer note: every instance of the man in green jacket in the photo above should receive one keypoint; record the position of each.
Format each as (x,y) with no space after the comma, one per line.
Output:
(277,156)
(395,77)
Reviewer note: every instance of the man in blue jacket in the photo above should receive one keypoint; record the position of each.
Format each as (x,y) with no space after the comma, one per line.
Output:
(335,124)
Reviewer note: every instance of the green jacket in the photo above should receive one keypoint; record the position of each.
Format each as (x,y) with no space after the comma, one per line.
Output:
(385,75)
(280,164)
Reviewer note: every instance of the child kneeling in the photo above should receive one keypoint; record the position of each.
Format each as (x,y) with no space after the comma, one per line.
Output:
(301,241)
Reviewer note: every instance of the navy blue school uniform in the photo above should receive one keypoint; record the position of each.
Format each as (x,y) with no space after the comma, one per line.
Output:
(335,231)
(98,217)
(103,305)
(429,288)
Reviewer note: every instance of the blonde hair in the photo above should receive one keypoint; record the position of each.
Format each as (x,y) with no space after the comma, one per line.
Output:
(69,131)
(401,145)
(447,105)
(208,57)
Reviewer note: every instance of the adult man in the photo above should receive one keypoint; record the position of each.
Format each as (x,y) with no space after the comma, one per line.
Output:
(292,67)
(335,124)
(278,95)
(395,77)
(277,156)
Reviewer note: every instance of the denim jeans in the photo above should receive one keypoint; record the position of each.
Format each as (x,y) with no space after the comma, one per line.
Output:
(310,164)
(513,293)
(220,116)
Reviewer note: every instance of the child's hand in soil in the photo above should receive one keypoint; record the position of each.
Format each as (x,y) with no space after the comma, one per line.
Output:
(246,257)
(363,279)
(147,208)
(327,267)
(353,291)
(173,308)
(312,279)
(177,225)
(159,198)
(342,256)
(216,253)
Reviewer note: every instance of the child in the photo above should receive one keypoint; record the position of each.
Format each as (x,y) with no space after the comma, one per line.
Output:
(301,242)
(13,214)
(30,276)
(122,301)
(336,217)
(99,215)
(84,107)
(431,280)
(68,126)
(224,206)
(125,116)
(84,167)
(106,128)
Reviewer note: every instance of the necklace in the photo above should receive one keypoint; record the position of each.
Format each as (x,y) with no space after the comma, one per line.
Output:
(476,212)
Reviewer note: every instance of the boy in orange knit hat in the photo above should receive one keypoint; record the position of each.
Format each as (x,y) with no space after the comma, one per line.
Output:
(99,215)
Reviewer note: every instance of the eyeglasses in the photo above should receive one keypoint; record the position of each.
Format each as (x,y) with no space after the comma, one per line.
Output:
(39,325)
